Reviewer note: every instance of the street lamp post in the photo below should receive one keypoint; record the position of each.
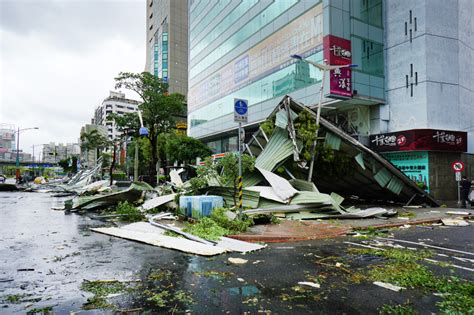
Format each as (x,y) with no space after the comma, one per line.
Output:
(324,67)
(17,173)
(143,132)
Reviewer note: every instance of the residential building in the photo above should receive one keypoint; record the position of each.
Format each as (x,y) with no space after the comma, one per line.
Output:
(167,42)
(8,149)
(53,153)
(7,142)
(115,103)
(413,73)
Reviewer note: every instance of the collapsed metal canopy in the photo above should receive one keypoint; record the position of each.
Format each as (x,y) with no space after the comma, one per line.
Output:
(374,178)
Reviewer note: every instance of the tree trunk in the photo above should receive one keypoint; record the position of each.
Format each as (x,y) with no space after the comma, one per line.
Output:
(112,164)
(135,164)
(154,160)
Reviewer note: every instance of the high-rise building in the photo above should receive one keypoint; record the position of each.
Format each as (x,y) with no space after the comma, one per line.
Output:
(167,42)
(413,73)
(116,103)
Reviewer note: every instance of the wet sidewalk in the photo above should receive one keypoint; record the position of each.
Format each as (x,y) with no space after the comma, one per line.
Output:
(289,231)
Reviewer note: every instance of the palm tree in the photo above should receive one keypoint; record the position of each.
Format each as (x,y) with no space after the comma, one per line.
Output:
(93,140)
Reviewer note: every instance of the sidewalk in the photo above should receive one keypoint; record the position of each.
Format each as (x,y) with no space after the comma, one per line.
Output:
(289,231)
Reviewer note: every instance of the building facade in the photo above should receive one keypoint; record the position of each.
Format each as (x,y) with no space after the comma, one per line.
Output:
(167,42)
(8,149)
(427,122)
(53,153)
(242,50)
(414,62)
(116,103)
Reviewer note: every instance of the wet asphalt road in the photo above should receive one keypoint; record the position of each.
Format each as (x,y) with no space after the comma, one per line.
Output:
(45,255)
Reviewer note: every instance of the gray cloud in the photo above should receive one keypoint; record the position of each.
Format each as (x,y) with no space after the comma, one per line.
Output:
(58,60)
(75,24)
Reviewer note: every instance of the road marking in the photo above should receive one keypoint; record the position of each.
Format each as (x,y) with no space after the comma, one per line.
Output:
(450,265)
(426,245)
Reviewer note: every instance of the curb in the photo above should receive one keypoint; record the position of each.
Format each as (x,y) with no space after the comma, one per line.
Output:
(410,222)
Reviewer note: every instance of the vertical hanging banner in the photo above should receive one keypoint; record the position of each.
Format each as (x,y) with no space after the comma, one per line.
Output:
(337,51)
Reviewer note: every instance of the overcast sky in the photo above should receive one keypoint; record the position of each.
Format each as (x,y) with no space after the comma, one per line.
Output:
(58,60)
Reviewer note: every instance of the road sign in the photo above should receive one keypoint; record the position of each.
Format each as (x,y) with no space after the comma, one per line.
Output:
(458,166)
(240,110)
(458,176)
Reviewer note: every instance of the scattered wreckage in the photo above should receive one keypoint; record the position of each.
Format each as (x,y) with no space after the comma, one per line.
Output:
(276,186)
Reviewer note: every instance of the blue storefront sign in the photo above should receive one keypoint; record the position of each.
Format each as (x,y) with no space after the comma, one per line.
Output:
(415,164)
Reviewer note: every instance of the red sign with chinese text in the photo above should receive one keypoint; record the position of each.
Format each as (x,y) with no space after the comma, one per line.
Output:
(337,51)
(420,140)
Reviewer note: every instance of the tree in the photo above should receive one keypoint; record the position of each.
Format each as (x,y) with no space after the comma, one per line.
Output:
(182,148)
(225,171)
(159,108)
(69,164)
(93,140)
(229,166)
(129,125)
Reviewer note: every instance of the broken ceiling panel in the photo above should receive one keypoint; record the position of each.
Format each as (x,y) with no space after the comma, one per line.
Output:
(333,141)
(382,177)
(395,185)
(360,160)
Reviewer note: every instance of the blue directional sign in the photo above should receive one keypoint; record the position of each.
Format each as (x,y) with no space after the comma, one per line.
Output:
(240,110)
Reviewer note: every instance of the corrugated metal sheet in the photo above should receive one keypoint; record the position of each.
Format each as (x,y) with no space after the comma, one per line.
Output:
(310,197)
(395,185)
(337,198)
(303,185)
(279,148)
(266,192)
(251,179)
(266,203)
(281,119)
(250,198)
(382,177)
(333,141)
(360,160)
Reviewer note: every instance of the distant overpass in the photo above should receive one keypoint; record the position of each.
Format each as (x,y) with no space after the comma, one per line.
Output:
(27,164)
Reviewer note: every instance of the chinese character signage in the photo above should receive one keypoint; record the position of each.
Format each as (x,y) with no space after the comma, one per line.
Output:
(420,140)
(337,51)
(413,164)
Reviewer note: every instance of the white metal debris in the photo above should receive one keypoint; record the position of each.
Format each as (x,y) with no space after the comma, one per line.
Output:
(281,186)
(310,284)
(389,286)
(158,201)
(454,222)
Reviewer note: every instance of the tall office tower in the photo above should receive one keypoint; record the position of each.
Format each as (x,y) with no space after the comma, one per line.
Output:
(167,42)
